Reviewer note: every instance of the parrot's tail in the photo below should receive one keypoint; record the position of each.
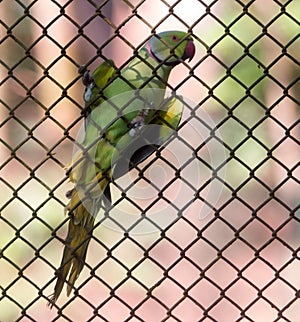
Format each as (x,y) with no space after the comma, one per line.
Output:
(85,202)
(79,235)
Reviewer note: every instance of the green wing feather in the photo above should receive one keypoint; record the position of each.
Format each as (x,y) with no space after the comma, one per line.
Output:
(167,118)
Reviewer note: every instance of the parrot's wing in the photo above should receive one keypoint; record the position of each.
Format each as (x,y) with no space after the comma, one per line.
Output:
(169,115)
(167,118)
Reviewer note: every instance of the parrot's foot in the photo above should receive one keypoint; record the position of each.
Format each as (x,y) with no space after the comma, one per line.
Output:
(69,193)
(88,82)
(86,76)
(139,121)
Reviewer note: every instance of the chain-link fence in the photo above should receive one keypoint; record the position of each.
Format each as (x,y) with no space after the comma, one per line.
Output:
(222,241)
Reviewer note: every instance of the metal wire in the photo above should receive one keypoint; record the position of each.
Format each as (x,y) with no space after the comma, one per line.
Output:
(239,262)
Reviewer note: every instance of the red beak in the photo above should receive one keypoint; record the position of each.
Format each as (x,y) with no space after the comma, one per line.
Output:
(190,50)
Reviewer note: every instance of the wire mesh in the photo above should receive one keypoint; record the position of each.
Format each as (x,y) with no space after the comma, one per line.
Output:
(239,261)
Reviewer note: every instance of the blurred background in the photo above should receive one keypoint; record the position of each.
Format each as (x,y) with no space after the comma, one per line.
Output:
(238,260)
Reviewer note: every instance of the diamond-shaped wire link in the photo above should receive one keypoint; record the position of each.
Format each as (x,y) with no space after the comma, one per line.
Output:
(230,255)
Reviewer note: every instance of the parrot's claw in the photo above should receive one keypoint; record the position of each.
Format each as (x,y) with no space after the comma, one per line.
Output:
(88,82)
(69,193)
(88,92)
(87,78)
(81,69)
(139,121)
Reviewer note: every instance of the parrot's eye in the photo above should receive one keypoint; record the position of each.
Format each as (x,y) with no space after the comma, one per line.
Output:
(175,38)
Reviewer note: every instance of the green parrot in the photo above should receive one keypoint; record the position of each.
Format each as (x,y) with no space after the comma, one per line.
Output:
(119,107)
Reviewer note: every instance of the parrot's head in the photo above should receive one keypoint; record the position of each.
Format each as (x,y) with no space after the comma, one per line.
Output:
(171,47)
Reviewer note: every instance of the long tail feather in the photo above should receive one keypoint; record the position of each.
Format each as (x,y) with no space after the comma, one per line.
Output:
(85,201)
(76,244)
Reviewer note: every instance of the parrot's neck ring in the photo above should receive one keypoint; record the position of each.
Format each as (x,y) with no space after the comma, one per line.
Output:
(163,62)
